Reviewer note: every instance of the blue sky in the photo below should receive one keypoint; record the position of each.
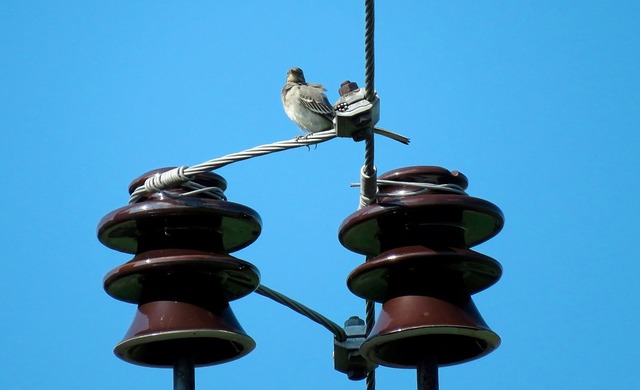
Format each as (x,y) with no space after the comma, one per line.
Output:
(535,102)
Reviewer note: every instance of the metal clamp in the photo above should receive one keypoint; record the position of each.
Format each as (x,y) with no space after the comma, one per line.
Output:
(355,115)
(346,354)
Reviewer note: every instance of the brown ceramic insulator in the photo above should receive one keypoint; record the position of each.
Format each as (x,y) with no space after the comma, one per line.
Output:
(181,272)
(205,224)
(435,218)
(164,330)
(432,220)
(419,174)
(413,326)
(192,222)
(411,269)
(182,275)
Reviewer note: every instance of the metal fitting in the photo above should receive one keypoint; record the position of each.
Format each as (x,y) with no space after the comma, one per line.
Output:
(354,113)
(346,354)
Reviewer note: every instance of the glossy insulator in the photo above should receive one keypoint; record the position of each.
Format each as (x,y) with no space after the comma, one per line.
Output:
(164,330)
(163,221)
(426,305)
(411,327)
(435,218)
(410,269)
(182,276)
(420,267)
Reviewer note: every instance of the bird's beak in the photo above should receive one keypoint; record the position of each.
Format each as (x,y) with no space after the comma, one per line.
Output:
(292,76)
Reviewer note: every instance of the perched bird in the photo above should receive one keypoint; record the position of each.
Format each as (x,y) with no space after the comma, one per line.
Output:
(307,105)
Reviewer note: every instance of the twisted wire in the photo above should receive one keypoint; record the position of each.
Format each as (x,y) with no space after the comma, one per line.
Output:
(299,308)
(368,197)
(369,49)
(371,380)
(369,152)
(369,169)
(197,189)
(422,188)
(180,175)
(169,179)
(370,320)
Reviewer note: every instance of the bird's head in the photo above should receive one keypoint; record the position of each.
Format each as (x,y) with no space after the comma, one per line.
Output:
(295,75)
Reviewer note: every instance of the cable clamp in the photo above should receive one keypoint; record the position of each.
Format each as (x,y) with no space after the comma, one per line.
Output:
(346,354)
(355,115)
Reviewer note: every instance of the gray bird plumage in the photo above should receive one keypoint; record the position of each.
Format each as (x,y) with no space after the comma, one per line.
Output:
(307,105)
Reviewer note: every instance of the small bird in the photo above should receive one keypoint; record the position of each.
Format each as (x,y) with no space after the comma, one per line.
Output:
(307,105)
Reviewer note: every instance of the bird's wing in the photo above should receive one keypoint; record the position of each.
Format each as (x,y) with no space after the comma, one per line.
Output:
(312,97)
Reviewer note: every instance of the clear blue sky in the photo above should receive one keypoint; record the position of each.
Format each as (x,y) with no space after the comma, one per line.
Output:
(536,102)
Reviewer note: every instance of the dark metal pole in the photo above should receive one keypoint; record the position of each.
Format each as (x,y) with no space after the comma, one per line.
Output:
(428,373)
(184,374)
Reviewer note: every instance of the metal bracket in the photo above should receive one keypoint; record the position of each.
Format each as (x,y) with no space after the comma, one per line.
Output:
(346,354)
(354,113)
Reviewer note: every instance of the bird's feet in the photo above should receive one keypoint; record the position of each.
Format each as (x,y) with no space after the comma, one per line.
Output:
(298,138)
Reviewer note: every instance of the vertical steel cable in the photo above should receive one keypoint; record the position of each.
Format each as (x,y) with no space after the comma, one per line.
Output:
(370,320)
(369,166)
(371,380)
(368,49)
(369,80)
